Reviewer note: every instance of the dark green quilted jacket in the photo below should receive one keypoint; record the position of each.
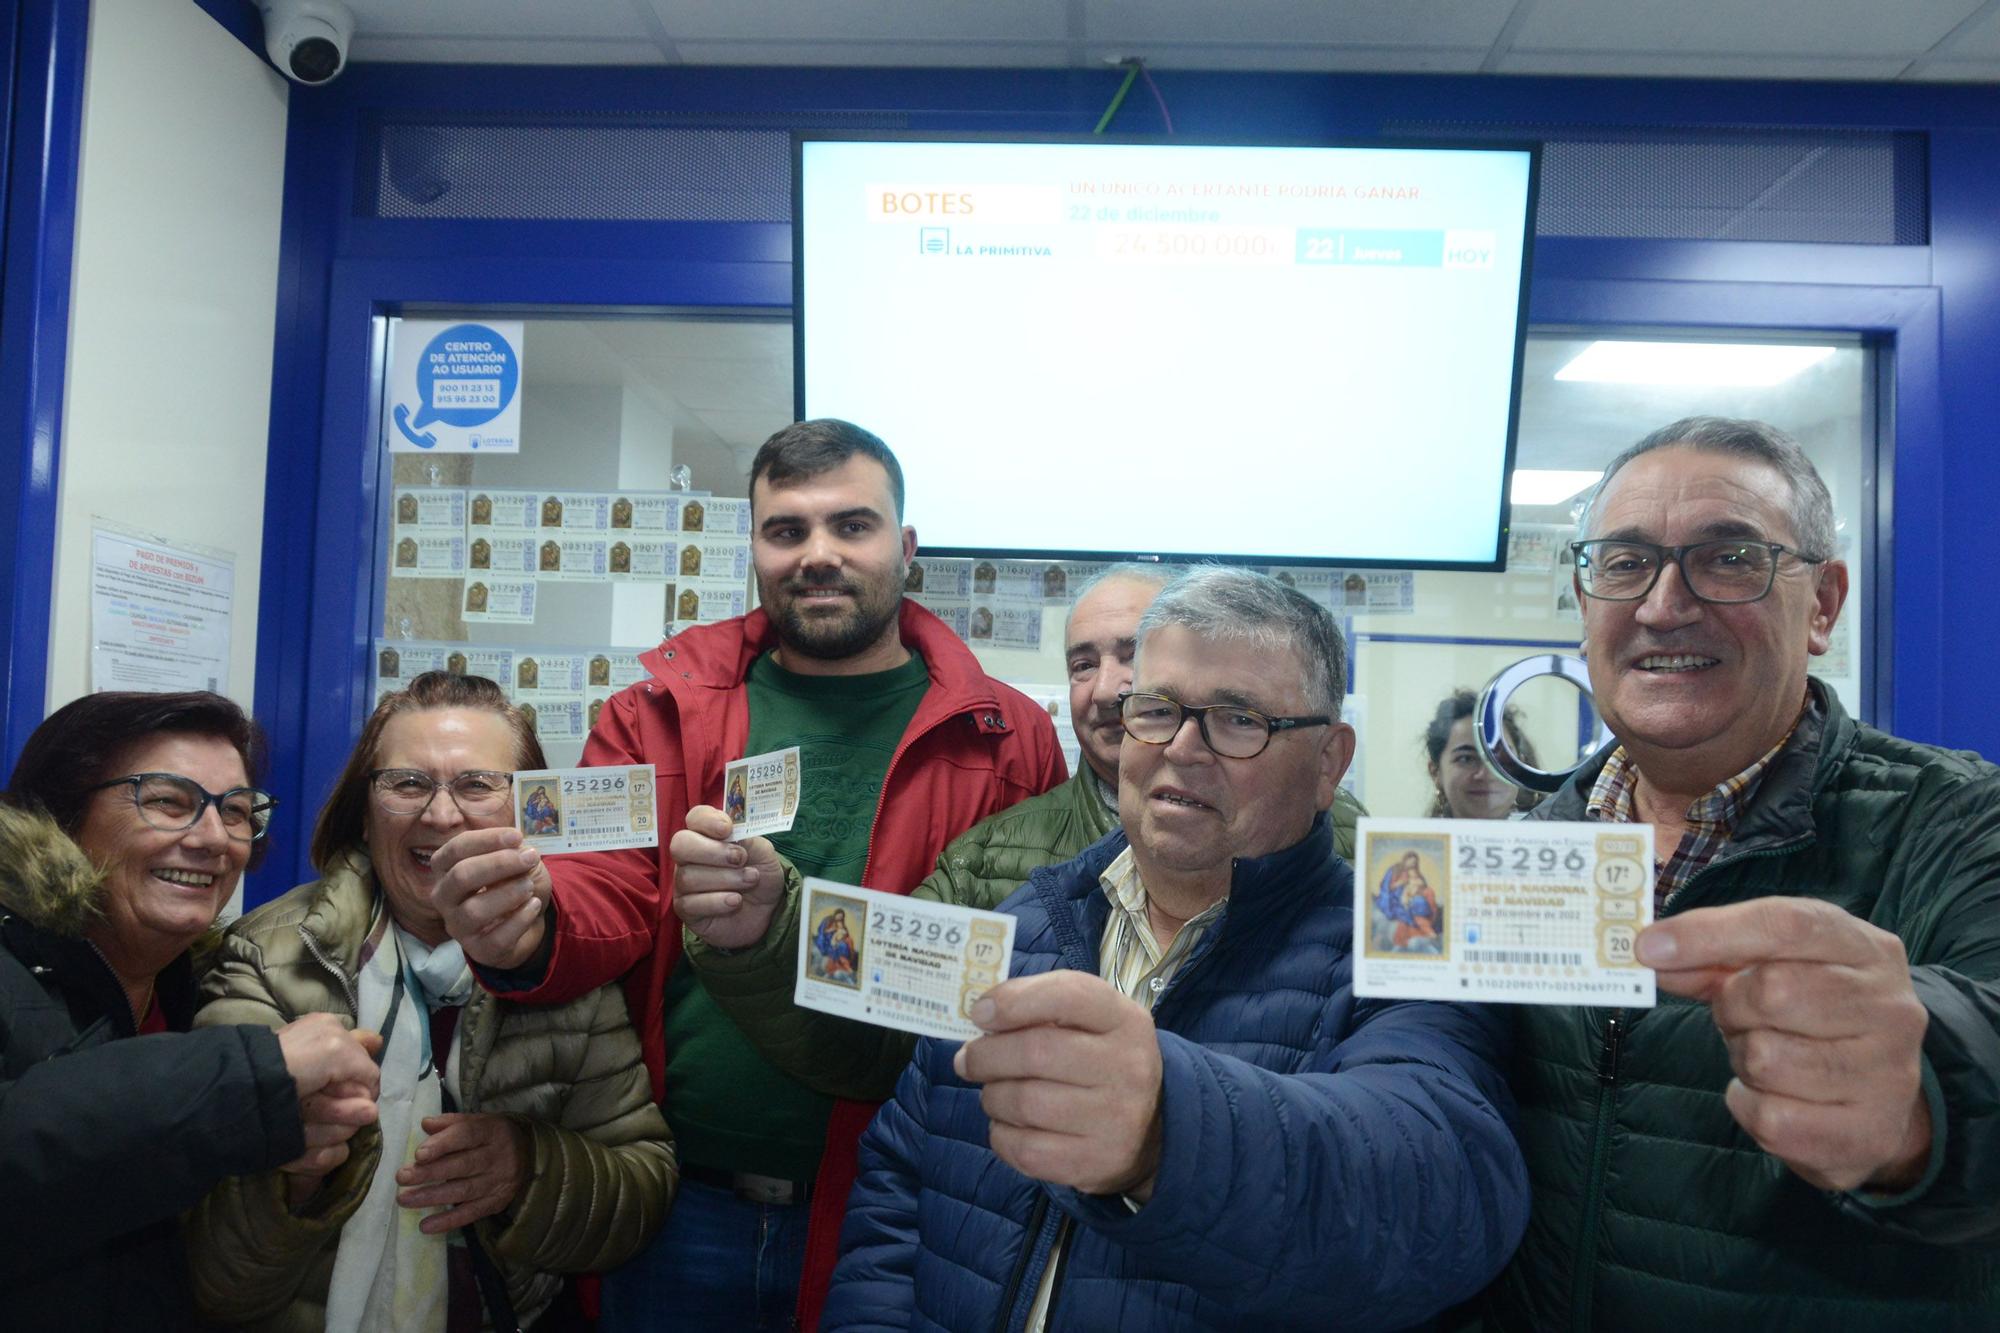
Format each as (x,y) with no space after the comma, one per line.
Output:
(979,868)
(1652,1210)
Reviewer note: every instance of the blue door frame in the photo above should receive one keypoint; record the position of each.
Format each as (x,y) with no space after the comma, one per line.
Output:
(328,650)
(1934,309)
(45,48)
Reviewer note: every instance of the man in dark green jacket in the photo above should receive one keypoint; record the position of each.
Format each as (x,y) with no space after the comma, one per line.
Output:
(982,866)
(1806,1132)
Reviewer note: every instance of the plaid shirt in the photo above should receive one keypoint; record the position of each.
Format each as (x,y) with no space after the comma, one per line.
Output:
(1711,819)
(1130,956)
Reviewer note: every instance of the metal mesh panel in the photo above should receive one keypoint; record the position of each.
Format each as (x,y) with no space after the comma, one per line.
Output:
(1723,185)
(582,172)
(1855,187)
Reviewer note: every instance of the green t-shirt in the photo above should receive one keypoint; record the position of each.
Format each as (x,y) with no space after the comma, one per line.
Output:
(730,1109)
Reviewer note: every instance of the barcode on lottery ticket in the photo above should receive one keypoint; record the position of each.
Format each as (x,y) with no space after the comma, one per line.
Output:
(1535,957)
(918,1001)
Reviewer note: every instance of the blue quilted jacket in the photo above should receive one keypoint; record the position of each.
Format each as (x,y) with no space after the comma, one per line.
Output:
(1326,1161)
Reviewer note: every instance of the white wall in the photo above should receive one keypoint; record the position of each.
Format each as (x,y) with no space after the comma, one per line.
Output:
(172,309)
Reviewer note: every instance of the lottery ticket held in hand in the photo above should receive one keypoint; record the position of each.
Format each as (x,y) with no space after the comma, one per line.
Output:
(898,962)
(1508,911)
(587,809)
(760,794)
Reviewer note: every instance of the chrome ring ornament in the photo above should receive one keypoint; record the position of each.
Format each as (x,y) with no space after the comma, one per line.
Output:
(1494,747)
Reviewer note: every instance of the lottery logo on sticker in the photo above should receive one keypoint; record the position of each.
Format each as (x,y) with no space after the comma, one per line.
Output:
(1411,876)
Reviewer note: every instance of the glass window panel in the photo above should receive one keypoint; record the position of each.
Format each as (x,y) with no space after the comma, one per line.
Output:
(614,403)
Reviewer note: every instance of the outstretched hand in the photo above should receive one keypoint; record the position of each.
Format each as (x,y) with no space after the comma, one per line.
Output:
(491,892)
(1072,1075)
(1824,1030)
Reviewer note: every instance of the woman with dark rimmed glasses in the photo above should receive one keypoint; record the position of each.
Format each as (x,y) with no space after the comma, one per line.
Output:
(125,828)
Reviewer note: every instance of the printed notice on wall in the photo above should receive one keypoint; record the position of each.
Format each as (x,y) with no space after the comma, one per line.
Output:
(159,615)
(454,388)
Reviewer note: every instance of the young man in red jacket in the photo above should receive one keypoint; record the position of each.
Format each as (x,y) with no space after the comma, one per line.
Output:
(905,742)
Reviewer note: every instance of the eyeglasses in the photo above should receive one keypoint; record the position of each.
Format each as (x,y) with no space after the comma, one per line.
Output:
(172,803)
(1232,731)
(405,791)
(1728,571)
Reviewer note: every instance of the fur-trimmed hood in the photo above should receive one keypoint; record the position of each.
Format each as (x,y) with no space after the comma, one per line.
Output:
(45,877)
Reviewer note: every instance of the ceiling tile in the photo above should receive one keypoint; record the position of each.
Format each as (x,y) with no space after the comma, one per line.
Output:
(893,21)
(1860,28)
(497,18)
(1313,56)
(465,50)
(1979,39)
(1698,66)
(833,54)
(1379,23)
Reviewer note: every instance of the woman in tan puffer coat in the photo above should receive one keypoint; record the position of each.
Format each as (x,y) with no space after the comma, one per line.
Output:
(524,1141)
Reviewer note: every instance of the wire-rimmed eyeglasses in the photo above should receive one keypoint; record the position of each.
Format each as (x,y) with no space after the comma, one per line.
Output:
(409,791)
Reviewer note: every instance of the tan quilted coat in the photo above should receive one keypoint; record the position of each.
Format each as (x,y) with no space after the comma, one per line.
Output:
(603,1170)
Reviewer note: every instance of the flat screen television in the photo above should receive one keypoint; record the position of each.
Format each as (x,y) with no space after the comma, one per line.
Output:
(1098,350)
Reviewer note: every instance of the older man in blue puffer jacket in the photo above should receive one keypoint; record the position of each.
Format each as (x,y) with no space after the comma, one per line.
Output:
(1180,1115)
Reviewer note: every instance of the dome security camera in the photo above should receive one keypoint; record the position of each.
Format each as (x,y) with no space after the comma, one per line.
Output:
(307,39)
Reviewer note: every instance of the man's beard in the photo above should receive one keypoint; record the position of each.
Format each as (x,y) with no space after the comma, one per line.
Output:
(833,638)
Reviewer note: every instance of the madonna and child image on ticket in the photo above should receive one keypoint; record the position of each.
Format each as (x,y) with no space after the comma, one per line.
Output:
(586,809)
(898,962)
(1502,911)
(760,794)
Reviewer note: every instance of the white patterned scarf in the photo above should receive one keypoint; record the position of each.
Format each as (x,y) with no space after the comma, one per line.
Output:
(388,1276)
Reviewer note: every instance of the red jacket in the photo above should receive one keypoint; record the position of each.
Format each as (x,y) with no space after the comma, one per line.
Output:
(973,748)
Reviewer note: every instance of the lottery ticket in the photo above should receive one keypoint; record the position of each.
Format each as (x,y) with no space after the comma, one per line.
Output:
(898,962)
(577,511)
(718,517)
(958,615)
(586,809)
(716,558)
(498,600)
(429,509)
(516,511)
(699,601)
(760,793)
(1509,911)
(427,555)
(646,511)
(556,675)
(1005,623)
(571,559)
(946,579)
(555,718)
(502,552)
(637,559)
(1031,579)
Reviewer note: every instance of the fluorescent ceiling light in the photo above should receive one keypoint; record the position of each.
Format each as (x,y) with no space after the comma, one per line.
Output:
(1542,486)
(1721,364)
